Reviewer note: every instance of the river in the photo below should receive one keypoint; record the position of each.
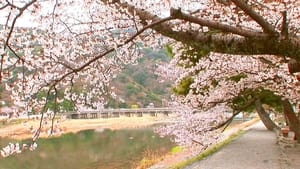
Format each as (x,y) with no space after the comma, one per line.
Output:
(100,149)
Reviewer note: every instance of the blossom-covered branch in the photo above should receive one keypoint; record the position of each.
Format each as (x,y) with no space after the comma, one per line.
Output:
(219,34)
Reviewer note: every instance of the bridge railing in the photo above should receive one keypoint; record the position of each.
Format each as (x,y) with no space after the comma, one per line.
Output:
(107,113)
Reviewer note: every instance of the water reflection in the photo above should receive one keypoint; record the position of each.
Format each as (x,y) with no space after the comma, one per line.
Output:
(106,149)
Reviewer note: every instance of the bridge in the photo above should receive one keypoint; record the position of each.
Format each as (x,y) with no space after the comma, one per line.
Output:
(108,113)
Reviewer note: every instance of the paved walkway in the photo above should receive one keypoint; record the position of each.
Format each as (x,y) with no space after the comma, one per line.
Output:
(256,149)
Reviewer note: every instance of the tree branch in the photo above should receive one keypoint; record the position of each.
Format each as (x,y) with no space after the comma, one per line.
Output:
(55,110)
(38,131)
(220,42)
(21,10)
(285,28)
(225,123)
(293,66)
(216,25)
(267,27)
(75,70)
(4,6)
(237,111)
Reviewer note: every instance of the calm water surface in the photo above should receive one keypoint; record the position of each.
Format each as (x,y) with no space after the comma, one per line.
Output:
(120,149)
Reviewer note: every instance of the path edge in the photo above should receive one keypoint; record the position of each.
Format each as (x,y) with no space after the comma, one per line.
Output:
(231,136)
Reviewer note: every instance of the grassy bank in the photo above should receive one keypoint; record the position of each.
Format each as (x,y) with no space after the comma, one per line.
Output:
(208,151)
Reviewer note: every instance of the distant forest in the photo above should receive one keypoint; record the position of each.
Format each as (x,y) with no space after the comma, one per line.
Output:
(139,86)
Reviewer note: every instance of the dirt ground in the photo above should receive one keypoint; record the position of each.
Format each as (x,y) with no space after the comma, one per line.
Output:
(26,128)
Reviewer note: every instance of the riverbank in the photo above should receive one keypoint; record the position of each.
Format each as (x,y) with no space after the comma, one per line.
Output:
(26,128)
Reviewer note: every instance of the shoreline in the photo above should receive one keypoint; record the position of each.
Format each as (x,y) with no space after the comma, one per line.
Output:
(26,129)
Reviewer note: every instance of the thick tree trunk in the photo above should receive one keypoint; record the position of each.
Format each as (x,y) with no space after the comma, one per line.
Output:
(291,118)
(270,125)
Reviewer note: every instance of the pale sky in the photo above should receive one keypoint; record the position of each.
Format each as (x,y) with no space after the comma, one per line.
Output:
(26,20)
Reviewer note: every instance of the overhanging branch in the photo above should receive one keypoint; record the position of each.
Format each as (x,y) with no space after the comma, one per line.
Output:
(267,27)
(222,42)
(80,68)
(285,27)
(225,123)
(176,13)
(21,10)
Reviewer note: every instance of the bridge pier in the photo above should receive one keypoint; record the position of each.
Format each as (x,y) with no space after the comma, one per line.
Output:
(139,114)
(83,116)
(166,113)
(104,115)
(116,114)
(153,113)
(94,115)
(128,114)
(74,116)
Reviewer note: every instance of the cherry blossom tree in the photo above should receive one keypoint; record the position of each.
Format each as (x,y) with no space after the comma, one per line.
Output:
(242,83)
(72,47)
(76,47)
(229,29)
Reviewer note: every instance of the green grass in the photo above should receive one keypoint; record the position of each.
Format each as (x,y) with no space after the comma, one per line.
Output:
(176,149)
(208,151)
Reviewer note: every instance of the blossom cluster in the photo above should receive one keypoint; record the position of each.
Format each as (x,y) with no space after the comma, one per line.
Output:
(196,127)
(12,148)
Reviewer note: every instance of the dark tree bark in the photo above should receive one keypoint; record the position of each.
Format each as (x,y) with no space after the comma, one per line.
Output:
(294,66)
(291,118)
(270,125)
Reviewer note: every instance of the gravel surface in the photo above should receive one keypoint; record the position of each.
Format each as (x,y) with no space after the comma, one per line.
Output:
(256,149)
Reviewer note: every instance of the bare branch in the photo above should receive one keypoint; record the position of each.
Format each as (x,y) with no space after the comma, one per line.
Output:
(15,53)
(21,10)
(3,7)
(55,109)
(37,133)
(53,13)
(237,111)
(1,67)
(2,60)
(285,27)
(225,123)
(293,66)
(11,5)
